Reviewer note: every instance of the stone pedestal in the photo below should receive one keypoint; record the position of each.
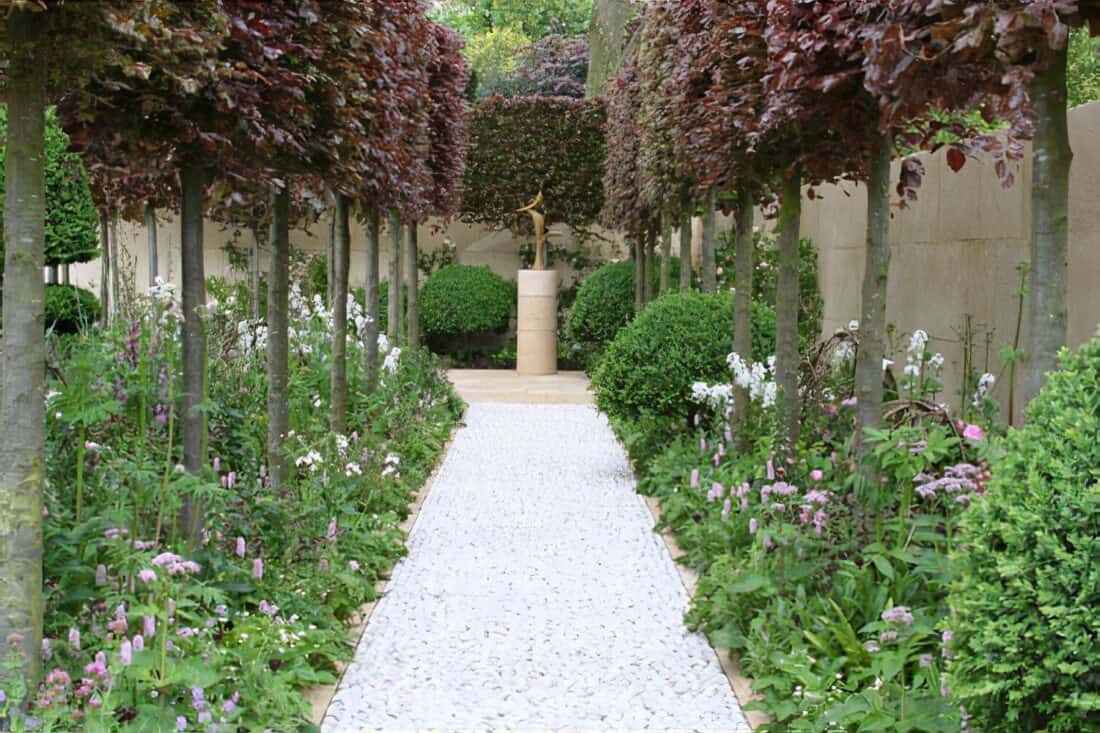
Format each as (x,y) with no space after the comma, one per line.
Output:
(537,323)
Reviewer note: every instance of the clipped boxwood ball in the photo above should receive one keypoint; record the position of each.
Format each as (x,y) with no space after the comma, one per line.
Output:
(70,309)
(605,304)
(679,339)
(462,300)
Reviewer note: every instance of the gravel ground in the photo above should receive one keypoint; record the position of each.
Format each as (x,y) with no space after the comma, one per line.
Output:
(535,597)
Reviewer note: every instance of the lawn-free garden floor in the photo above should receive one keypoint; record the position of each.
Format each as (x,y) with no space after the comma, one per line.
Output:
(535,596)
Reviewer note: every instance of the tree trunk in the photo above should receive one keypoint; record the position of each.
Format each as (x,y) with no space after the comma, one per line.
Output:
(65,273)
(330,259)
(104,269)
(340,264)
(685,252)
(872,324)
(255,275)
(278,344)
(116,272)
(742,308)
(1048,308)
(639,275)
(666,254)
(370,338)
(393,277)
(193,286)
(786,311)
(709,264)
(151,231)
(22,405)
(412,287)
(650,263)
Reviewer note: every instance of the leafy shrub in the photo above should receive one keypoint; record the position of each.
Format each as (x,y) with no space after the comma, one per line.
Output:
(605,304)
(765,278)
(71,222)
(459,300)
(522,145)
(70,309)
(1028,594)
(679,339)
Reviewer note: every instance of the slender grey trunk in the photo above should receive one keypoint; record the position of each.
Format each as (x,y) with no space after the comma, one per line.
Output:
(639,275)
(786,311)
(193,332)
(393,277)
(104,269)
(254,273)
(742,308)
(340,266)
(65,273)
(116,272)
(872,324)
(666,254)
(412,287)
(330,259)
(685,252)
(1048,307)
(370,338)
(22,405)
(278,343)
(151,231)
(650,264)
(709,264)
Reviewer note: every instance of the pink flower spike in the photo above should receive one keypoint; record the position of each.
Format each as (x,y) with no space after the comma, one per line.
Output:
(149,626)
(217,464)
(331,533)
(139,643)
(817,474)
(695,478)
(240,547)
(770,467)
(147,576)
(753,525)
(258,568)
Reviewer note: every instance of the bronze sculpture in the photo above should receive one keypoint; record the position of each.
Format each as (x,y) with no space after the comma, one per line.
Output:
(539,221)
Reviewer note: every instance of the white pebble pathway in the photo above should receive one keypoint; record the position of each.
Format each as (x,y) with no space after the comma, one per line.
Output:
(535,596)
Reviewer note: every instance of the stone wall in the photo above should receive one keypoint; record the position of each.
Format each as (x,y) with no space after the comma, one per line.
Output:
(956,252)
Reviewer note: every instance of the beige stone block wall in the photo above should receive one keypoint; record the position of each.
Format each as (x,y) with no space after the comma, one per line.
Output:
(956,250)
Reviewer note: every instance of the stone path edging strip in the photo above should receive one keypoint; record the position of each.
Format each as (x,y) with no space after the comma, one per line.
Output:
(320,697)
(731,666)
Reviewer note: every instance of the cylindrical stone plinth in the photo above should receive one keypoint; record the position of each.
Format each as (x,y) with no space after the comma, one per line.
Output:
(537,323)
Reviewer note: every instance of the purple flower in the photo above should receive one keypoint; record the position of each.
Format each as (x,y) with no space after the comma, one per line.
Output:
(230,705)
(47,649)
(694,483)
(268,609)
(817,474)
(716,492)
(925,660)
(703,445)
(898,615)
(217,464)
(753,525)
(181,723)
(149,626)
(240,547)
(198,698)
(871,646)
(770,470)
(147,576)
(126,653)
(231,480)
(205,717)
(354,566)
(330,534)
(139,643)
(258,568)
(74,639)
(100,575)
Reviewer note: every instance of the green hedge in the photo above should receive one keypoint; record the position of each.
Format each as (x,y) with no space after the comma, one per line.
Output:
(460,300)
(1027,597)
(605,304)
(70,309)
(679,339)
(72,233)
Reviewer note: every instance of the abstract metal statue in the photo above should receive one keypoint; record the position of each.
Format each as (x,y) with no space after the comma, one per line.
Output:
(539,220)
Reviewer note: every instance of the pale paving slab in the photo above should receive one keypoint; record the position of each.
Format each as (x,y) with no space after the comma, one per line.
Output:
(535,596)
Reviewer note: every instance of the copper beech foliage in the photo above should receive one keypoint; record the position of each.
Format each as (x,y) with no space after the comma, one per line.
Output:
(728,92)
(522,145)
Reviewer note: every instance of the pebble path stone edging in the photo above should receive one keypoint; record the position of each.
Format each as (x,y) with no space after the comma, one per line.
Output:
(535,596)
